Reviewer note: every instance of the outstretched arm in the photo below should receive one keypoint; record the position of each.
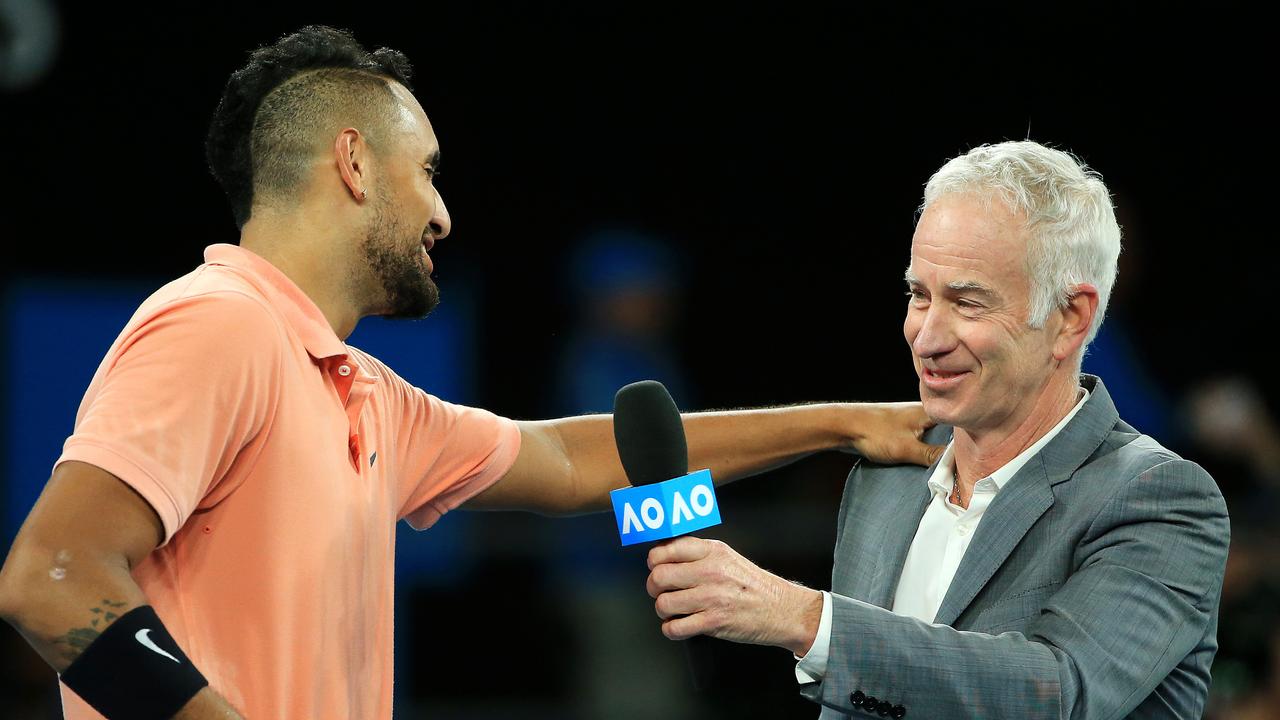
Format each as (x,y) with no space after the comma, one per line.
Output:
(569,465)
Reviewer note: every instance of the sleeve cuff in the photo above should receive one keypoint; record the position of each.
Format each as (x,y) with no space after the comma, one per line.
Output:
(496,466)
(132,474)
(813,666)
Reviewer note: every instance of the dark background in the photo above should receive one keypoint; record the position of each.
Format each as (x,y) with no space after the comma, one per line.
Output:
(779,151)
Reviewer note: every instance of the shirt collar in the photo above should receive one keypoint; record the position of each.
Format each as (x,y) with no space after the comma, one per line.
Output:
(944,474)
(943,478)
(299,311)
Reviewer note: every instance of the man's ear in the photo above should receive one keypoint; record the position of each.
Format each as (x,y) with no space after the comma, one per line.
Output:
(351,154)
(1077,317)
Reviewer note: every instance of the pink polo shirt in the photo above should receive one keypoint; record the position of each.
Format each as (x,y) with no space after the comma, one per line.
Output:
(278,459)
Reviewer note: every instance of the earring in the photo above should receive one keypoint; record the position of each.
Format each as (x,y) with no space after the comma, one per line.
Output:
(363,195)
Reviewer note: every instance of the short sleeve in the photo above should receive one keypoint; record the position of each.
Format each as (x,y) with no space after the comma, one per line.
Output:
(445,453)
(183,390)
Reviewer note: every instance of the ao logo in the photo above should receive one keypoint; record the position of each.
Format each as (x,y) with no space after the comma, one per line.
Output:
(666,509)
(701,501)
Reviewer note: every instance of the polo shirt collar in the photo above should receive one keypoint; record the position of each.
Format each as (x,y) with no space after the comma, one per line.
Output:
(302,314)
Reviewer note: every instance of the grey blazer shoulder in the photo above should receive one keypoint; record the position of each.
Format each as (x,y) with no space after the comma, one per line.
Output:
(1090,589)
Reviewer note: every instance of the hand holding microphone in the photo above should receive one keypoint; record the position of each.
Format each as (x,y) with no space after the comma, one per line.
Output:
(664,500)
(705,587)
(700,587)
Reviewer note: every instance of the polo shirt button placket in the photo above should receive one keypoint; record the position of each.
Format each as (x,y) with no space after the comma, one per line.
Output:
(344,394)
(353,445)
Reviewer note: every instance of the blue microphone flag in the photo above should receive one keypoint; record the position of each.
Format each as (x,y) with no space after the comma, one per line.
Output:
(667,509)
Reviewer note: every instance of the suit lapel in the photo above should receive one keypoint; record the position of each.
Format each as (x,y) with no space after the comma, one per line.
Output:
(1012,513)
(898,515)
(1027,496)
(905,512)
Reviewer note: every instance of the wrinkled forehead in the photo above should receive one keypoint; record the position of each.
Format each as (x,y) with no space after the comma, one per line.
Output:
(963,240)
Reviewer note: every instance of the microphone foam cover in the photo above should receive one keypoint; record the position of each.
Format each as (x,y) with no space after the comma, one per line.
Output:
(649,433)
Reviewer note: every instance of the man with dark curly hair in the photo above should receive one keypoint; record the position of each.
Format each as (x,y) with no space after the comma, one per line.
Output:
(217,538)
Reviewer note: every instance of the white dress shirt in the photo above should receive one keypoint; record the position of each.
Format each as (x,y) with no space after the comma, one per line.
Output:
(940,543)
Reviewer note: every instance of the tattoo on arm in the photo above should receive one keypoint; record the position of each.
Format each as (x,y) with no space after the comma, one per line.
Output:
(75,640)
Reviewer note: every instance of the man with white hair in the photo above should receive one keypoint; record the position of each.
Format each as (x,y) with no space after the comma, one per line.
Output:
(1055,562)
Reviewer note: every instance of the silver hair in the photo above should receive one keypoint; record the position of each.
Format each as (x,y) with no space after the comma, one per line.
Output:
(1072,233)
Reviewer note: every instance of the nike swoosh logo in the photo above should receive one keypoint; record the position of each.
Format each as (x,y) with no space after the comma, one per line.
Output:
(141,637)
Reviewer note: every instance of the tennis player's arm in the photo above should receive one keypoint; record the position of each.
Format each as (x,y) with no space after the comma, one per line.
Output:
(67,576)
(569,465)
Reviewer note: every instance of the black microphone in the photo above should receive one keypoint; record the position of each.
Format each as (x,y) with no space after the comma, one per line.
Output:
(651,444)
(649,433)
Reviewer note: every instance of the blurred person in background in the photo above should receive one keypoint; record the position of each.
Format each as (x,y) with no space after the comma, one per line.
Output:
(1228,421)
(626,292)
(1227,417)
(217,538)
(625,289)
(1055,562)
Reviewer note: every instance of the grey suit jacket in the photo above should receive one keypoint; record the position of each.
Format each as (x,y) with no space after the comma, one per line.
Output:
(1090,589)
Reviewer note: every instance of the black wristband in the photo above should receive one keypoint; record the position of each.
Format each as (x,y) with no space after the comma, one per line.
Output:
(134,670)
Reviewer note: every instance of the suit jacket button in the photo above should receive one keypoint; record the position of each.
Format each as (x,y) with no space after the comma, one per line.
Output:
(898,712)
(870,703)
(857,698)
(883,708)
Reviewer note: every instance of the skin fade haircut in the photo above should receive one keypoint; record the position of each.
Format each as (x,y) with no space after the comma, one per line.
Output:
(276,112)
